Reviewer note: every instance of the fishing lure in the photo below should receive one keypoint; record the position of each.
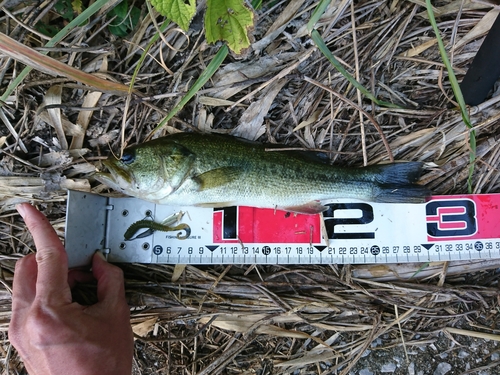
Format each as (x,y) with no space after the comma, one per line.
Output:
(154,226)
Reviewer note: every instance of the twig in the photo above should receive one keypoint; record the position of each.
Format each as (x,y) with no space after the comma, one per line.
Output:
(480,335)
(396,312)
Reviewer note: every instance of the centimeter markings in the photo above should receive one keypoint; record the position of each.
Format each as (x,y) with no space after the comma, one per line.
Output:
(445,228)
(285,254)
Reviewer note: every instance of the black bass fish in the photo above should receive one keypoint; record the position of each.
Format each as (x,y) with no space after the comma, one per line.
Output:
(217,171)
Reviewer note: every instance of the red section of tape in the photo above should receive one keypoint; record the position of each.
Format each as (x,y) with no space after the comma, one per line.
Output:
(463,217)
(488,215)
(264,226)
(447,218)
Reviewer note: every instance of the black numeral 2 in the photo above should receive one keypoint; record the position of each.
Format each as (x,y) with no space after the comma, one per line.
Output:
(331,221)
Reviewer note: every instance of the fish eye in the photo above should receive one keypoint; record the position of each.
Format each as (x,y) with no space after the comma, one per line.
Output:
(128,157)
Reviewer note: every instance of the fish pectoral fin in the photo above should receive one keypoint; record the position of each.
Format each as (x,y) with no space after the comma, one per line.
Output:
(310,208)
(217,177)
(177,165)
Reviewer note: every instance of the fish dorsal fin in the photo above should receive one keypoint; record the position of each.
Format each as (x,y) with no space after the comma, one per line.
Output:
(316,157)
(217,177)
(305,154)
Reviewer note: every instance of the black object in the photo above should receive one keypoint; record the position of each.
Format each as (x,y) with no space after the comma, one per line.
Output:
(485,68)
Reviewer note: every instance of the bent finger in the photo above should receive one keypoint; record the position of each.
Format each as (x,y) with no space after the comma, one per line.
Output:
(76,276)
(52,280)
(24,283)
(110,281)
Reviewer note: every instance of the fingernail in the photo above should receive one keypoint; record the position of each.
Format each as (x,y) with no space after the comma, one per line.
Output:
(101,255)
(21,208)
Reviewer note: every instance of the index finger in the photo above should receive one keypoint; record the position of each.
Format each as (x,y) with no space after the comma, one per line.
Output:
(52,280)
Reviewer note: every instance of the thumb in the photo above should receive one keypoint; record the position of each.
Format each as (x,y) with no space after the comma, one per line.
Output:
(110,282)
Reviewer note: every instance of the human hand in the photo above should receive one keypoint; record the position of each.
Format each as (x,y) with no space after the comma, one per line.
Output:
(54,335)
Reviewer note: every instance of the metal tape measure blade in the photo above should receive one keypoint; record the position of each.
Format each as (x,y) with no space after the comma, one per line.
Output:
(445,228)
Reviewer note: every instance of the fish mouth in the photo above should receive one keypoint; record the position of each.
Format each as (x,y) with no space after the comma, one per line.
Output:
(117,178)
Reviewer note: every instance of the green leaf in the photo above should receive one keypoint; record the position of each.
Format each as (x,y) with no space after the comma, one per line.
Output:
(256,4)
(65,9)
(179,11)
(318,12)
(134,18)
(120,11)
(125,21)
(229,20)
(77,6)
(49,30)
(120,30)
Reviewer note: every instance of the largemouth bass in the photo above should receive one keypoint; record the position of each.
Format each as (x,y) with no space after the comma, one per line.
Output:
(217,171)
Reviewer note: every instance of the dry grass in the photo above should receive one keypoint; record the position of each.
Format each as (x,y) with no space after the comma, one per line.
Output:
(256,319)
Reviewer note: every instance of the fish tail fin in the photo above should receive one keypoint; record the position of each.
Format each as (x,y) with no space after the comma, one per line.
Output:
(398,173)
(395,183)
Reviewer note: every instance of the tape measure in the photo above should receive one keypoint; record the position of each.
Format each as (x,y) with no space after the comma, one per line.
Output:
(459,227)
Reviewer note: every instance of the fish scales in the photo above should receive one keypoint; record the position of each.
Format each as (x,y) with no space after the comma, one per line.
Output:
(215,170)
(265,174)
